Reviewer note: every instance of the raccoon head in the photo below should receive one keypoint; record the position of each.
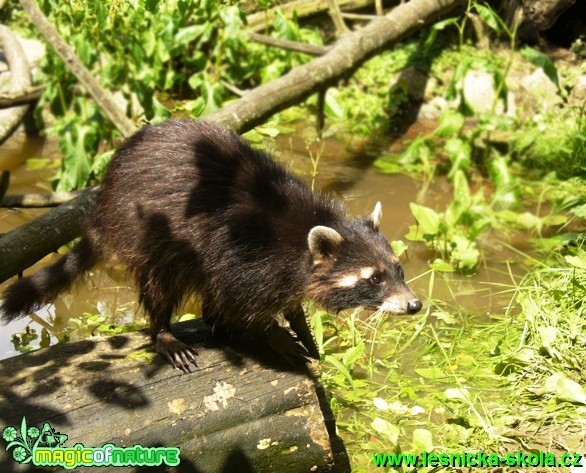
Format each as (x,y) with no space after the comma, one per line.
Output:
(354,266)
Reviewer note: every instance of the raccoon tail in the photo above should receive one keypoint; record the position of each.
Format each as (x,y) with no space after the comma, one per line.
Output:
(30,293)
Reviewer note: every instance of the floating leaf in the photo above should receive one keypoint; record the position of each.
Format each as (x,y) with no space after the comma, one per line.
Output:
(457,393)
(441,266)
(422,440)
(430,373)
(386,429)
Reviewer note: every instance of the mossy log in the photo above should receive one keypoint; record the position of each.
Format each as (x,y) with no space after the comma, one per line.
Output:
(241,411)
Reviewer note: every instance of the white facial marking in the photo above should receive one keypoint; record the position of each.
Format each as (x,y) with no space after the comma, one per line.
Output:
(365,273)
(392,306)
(347,281)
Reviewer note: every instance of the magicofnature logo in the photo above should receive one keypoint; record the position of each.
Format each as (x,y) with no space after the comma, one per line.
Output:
(44,447)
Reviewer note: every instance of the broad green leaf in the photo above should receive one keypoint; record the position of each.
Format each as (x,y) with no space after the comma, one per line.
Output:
(537,58)
(428,219)
(352,354)
(457,393)
(576,261)
(441,266)
(462,199)
(565,389)
(490,17)
(334,109)
(386,429)
(450,123)
(422,440)
(430,373)
(399,247)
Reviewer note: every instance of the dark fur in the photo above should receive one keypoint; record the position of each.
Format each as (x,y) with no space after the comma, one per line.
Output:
(189,208)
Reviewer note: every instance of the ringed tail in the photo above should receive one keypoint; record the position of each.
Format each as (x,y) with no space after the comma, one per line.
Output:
(32,292)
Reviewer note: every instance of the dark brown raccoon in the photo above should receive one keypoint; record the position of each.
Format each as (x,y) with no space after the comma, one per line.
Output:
(189,208)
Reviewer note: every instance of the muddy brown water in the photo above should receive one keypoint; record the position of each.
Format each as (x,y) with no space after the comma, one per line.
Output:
(349,175)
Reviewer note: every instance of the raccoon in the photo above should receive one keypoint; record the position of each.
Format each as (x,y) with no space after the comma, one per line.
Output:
(189,207)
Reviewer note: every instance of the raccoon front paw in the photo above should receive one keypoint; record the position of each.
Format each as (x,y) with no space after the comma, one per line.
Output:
(176,353)
(282,342)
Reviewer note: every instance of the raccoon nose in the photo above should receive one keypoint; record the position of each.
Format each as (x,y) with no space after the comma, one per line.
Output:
(414,306)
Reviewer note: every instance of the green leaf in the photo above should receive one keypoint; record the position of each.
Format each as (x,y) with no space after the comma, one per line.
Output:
(334,109)
(352,354)
(576,261)
(462,199)
(386,429)
(450,123)
(565,389)
(428,219)
(398,247)
(507,188)
(317,328)
(430,373)
(537,58)
(340,367)
(422,440)
(441,266)
(489,16)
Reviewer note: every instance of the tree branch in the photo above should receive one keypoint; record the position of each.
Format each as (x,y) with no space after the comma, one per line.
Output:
(66,53)
(20,78)
(18,249)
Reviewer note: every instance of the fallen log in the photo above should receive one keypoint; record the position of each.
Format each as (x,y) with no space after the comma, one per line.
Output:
(242,411)
(256,106)
(20,248)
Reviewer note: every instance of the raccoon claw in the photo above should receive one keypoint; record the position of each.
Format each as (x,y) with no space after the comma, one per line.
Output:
(176,353)
(281,341)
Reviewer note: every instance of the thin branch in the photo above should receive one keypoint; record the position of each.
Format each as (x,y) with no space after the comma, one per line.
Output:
(22,97)
(289,45)
(102,96)
(50,199)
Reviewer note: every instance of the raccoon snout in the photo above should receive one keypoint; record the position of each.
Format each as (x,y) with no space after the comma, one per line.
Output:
(399,306)
(414,306)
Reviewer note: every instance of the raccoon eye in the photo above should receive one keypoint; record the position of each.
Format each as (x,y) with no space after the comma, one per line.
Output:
(376,279)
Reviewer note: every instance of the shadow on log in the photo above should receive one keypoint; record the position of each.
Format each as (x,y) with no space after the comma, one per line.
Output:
(242,411)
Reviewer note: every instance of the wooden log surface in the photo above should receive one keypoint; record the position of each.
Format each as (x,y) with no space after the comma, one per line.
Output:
(243,410)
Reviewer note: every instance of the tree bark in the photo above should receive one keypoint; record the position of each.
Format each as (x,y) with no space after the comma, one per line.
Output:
(66,53)
(263,20)
(22,97)
(49,199)
(533,16)
(20,78)
(24,246)
(241,411)
(257,106)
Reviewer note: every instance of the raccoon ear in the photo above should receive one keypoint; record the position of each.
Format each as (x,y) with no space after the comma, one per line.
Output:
(323,242)
(376,216)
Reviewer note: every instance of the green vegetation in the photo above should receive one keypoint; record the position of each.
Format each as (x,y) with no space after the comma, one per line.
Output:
(501,380)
